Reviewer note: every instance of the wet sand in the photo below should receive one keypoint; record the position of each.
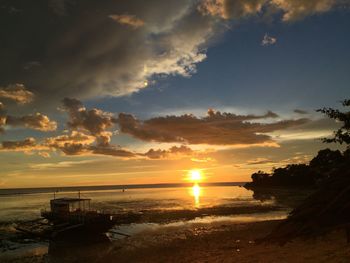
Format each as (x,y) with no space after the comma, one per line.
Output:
(216,242)
(229,243)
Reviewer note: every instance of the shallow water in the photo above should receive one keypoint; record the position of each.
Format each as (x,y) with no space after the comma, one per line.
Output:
(28,206)
(178,208)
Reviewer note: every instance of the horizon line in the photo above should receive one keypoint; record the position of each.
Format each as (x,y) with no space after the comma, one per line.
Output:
(43,189)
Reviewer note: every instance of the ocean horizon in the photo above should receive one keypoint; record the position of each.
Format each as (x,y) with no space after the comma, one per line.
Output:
(51,189)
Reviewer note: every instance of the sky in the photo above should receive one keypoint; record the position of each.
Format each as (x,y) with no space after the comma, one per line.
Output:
(136,92)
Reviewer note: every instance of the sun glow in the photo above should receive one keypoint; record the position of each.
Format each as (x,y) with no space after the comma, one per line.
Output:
(195,175)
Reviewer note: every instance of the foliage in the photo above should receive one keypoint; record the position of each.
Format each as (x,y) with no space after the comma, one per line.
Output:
(342,135)
(322,167)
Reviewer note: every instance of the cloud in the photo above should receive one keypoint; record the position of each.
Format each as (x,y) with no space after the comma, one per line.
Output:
(298,9)
(129,20)
(298,111)
(216,128)
(84,53)
(113,151)
(21,95)
(292,10)
(17,93)
(259,161)
(202,160)
(78,143)
(58,7)
(44,154)
(35,121)
(87,135)
(231,9)
(73,138)
(2,117)
(268,40)
(26,145)
(94,121)
(174,151)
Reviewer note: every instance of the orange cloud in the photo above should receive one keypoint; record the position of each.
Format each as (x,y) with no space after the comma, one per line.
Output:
(292,9)
(17,93)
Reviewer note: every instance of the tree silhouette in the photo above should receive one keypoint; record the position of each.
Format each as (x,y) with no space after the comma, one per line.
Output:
(342,135)
(326,209)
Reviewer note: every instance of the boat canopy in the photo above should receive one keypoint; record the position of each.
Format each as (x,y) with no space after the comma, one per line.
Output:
(66,205)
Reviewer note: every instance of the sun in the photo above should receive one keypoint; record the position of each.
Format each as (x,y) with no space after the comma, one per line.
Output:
(195,175)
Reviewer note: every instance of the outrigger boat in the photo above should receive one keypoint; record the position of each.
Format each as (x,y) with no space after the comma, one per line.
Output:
(76,214)
(74,217)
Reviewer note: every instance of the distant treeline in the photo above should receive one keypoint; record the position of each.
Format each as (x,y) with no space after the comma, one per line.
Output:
(325,165)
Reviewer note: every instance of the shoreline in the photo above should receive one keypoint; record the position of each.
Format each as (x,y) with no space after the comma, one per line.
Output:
(44,190)
(215,242)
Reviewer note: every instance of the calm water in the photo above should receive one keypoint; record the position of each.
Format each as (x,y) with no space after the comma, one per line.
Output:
(27,206)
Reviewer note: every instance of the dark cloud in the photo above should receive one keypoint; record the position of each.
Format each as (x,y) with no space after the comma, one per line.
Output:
(94,121)
(113,151)
(91,48)
(216,128)
(87,48)
(89,132)
(21,95)
(36,121)
(173,151)
(73,138)
(26,145)
(78,143)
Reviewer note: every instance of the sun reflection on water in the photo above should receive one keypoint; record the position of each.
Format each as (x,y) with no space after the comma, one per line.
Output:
(196,192)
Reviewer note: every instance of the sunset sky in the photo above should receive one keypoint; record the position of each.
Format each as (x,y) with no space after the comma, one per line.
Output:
(133,92)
